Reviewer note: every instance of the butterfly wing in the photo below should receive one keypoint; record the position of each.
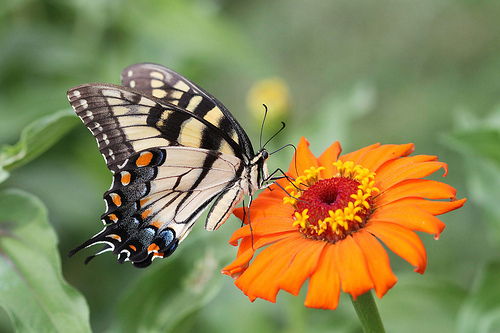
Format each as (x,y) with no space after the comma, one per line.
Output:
(125,121)
(169,86)
(168,165)
(157,196)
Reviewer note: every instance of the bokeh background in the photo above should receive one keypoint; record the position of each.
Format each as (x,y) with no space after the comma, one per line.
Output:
(390,71)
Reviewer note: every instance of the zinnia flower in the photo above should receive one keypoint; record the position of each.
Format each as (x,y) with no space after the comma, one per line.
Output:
(328,224)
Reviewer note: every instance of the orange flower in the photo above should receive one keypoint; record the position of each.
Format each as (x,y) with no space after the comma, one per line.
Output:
(329,225)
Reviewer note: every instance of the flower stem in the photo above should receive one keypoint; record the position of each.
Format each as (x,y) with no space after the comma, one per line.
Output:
(367,312)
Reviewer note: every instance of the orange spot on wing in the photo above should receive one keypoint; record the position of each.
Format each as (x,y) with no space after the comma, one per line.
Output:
(125,178)
(153,247)
(113,217)
(157,224)
(133,248)
(114,236)
(145,213)
(143,201)
(117,200)
(144,159)
(157,254)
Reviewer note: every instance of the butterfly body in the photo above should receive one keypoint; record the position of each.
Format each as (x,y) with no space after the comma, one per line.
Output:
(173,149)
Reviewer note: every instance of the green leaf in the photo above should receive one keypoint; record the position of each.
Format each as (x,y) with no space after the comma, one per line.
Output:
(421,304)
(481,310)
(165,296)
(478,140)
(35,139)
(476,137)
(32,289)
(481,142)
(3,174)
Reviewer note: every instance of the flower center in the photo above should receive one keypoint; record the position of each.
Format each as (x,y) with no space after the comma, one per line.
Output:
(325,195)
(331,209)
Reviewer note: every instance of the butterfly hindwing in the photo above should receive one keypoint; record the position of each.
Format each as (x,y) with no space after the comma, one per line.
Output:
(156,197)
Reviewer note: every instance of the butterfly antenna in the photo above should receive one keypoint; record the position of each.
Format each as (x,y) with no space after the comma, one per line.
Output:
(262,129)
(262,126)
(287,145)
(295,160)
(282,128)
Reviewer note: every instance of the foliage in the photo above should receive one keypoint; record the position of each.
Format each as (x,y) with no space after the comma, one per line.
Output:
(33,292)
(392,71)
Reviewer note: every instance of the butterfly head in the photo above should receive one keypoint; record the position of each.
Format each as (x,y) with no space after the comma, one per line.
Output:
(258,169)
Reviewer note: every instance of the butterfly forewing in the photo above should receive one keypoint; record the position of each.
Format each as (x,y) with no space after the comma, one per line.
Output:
(173,149)
(169,86)
(124,122)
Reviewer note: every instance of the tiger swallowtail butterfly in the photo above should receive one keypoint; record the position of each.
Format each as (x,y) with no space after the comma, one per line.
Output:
(173,149)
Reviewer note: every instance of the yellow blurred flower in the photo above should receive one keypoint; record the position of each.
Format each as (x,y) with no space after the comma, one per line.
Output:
(273,92)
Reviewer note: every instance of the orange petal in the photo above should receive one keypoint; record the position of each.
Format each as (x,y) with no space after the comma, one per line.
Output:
(239,212)
(402,169)
(302,160)
(432,207)
(236,272)
(259,280)
(405,243)
(355,155)
(264,240)
(247,249)
(326,159)
(377,260)
(324,285)
(245,245)
(261,262)
(269,239)
(267,203)
(302,266)
(241,260)
(263,209)
(373,159)
(268,227)
(408,216)
(423,188)
(352,268)
(274,192)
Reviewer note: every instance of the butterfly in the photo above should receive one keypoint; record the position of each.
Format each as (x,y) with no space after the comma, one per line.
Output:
(172,149)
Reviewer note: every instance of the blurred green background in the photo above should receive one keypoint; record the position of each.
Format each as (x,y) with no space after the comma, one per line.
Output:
(390,71)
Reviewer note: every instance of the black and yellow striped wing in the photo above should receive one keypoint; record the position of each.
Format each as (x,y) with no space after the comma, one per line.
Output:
(169,86)
(173,149)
